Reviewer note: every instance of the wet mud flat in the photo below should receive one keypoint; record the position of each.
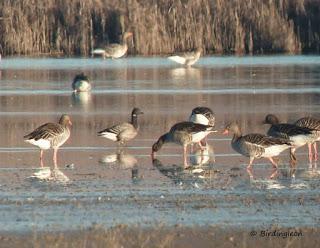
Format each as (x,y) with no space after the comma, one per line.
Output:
(102,196)
(160,236)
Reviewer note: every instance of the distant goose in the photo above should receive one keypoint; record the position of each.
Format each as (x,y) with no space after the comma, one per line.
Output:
(50,135)
(313,124)
(125,131)
(114,50)
(299,136)
(188,58)
(81,83)
(256,145)
(183,133)
(204,116)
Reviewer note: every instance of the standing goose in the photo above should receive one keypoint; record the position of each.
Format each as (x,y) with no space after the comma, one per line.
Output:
(114,50)
(81,83)
(204,116)
(183,133)
(50,135)
(314,124)
(299,136)
(188,58)
(125,131)
(256,145)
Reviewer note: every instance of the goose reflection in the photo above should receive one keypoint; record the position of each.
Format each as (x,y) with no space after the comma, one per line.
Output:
(201,157)
(183,73)
(81,99)
(47,174)
(120,158)
(311,172)
(194,177)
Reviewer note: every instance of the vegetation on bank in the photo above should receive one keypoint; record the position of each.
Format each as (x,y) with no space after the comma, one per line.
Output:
(75,27)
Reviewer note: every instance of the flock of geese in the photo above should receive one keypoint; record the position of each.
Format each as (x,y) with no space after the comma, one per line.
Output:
(201,123)
(118,50)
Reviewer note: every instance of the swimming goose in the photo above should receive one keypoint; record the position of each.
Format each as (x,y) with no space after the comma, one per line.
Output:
(125,131)
(183,133)
(114,50)
(50,135)
(204,116)
(81,83)
(299,136)
(256,145)
(188,58)
(313,124)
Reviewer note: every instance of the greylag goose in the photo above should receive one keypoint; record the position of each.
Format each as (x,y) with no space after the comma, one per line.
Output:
(114,50)
(81,83)
(125,131)
(256,145)
(313,124)
(299,136)
(204,116)
(183,133)
(188,58)
(50,135)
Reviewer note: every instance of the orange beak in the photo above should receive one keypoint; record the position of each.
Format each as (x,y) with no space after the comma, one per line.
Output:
(225,132)
(70,123)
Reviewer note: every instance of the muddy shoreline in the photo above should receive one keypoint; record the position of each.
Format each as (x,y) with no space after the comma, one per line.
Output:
(164,236)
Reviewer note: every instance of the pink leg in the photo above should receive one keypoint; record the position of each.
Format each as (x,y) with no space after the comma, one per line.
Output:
(55,157)
(310,152)
(315,151)
(41,158)
(201,146)
(185,164)
(274,173)
(249,167)
(273,162)
(293,159)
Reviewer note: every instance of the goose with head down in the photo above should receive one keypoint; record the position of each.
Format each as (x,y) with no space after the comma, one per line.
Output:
(184,134)
(314,124)
(188,58)
(299,136)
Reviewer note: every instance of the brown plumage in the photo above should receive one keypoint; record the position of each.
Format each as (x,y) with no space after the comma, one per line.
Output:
(50,135)
(299,136)
(183,133)
(314,124)
(256,145)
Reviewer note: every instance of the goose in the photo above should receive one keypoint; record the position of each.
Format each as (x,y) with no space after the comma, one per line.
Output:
(123,132)
(314,124)
(50,135)
(183,133)
(81,83)
(114,50)
(299,136)
(256,145)
(188,58)
(204,116)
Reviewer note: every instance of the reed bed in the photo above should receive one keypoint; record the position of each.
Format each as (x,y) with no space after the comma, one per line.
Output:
(75,27)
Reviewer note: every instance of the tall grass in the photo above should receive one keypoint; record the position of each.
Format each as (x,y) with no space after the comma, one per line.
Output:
(75,27)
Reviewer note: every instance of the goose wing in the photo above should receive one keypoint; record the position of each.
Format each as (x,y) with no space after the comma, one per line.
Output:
(47,131)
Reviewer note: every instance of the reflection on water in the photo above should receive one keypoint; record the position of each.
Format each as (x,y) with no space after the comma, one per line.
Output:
(201,157)
(47,174)
(121,158)
(37,91)
(81,99)
(194,177)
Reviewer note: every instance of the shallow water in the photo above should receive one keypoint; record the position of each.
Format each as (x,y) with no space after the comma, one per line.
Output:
(95,185)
